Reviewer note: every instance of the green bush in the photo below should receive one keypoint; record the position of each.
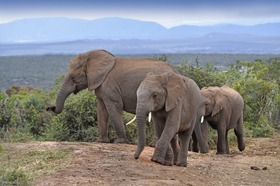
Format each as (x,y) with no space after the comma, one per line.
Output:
(23,116)
(203,76)
(78,121)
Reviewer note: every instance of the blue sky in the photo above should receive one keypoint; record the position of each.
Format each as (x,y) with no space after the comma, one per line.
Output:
(166,12)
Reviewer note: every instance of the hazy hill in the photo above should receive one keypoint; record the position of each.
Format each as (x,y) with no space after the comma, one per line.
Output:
(64,29)
(64,35)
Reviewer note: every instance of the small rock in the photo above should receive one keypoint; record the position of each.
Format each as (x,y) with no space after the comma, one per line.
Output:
(255,168)
(265,168)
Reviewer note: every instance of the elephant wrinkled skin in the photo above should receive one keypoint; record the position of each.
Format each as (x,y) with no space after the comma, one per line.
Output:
(174,101)
(223,111)
(115,81)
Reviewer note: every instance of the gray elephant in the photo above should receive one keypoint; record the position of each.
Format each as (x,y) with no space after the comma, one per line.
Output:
(223,111)
(174,101)
(115,81)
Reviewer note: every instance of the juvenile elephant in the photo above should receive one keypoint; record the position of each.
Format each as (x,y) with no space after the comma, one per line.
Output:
(174,101)
(115,81)
(223,111)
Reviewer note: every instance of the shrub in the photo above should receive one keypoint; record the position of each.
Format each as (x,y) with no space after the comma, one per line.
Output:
(204,77)
(78,121)
(23,116)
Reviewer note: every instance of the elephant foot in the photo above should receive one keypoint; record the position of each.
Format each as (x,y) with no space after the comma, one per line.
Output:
(162,161)
(182,164)
(241,147)
(221,153)
(195,150)
(103,140)
(121,140)
(204,151)
(168,162)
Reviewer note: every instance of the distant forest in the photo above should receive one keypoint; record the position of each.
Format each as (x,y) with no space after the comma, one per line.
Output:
(40,71)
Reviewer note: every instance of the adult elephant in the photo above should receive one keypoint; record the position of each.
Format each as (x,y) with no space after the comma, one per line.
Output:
(223,111)
(115,81)
(174,101)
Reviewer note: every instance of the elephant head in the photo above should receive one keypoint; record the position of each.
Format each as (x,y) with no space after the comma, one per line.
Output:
(156,93)
(87,70)
(215,100)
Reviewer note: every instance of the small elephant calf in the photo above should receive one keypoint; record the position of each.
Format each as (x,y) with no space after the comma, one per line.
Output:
(223,111)
(174,101)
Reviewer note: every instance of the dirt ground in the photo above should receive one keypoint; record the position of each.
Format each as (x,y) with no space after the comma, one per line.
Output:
(113,164)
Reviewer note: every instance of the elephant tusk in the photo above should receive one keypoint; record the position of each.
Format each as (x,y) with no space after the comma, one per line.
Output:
(201,119)
(150,117)
(131,121)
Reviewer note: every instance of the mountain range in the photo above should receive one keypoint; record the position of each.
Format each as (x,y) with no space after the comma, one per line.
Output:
(120,35)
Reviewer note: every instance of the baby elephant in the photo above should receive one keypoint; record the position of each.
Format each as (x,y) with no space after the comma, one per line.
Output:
(174,101)
(223,111)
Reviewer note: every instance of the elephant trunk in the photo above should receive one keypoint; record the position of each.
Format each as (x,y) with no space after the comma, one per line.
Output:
(63,93)
(141,131)
(200,129)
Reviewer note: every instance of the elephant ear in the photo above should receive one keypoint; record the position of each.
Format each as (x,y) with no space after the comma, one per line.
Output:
(175,87)
(99,64)
(221,101)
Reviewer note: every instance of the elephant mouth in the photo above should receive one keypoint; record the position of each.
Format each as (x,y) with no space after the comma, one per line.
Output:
(78,88)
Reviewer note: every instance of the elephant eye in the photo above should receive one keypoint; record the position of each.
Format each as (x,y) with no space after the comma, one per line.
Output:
(154,96)
(73,78)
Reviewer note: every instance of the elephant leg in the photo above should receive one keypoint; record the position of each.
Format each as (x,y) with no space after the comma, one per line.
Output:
(175,147)
(194,143)
(169,157)
(226,141)
(221,145)
(103,122)
(155,136)
(184,146)
(160,147)
(116,117)
(239,134)
(160,151)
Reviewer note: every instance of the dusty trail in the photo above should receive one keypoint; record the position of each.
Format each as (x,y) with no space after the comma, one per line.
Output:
(113,164)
